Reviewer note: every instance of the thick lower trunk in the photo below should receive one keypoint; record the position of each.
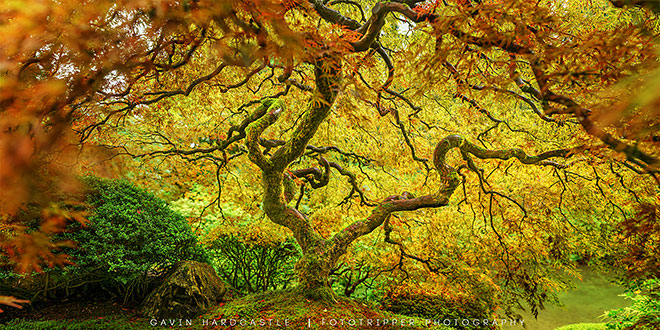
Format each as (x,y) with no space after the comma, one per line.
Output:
(313,270)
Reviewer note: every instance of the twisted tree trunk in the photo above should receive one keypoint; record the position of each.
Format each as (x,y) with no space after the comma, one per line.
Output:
(319,254)
(314,267)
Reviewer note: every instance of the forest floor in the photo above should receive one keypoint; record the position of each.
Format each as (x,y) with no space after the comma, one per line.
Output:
(284,309)
(287,309)
(81,310)
(72,315)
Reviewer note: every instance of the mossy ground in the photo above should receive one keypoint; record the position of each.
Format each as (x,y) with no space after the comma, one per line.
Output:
(271,310)
(300,313)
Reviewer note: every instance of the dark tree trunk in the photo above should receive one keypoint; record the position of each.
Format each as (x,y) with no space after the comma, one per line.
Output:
(319,254)
(313,270)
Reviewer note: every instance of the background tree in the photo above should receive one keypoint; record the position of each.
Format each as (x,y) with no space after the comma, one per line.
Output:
(549,105)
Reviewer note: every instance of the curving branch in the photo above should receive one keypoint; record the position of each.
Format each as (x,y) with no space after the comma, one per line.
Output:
(327,73)
(648,163)
(334,16)
(371,29)
(349,2)
(652,5)
(318,178)
(273,108)
(449,181)
(360,159)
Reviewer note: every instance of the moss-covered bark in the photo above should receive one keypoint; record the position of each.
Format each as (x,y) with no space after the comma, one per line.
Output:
(314,268)
(319,254)
(189,289)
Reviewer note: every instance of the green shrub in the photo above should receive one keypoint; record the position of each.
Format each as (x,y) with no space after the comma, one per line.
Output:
(254,266)
(131,237)
(132,231)
(644,314)
(435,307)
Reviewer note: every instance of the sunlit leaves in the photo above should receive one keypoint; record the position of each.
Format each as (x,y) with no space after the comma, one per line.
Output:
(167,89)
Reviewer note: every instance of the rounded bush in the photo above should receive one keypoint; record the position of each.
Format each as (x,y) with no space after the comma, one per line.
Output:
(132,236)
(436,307)
(131,232)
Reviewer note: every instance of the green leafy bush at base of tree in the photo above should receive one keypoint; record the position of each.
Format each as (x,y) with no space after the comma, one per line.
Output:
(132,237)
(432,306)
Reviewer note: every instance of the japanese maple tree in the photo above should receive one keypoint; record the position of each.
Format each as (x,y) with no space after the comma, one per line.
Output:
(517,110)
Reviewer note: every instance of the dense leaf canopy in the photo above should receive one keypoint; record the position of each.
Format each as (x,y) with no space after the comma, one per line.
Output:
(481,144)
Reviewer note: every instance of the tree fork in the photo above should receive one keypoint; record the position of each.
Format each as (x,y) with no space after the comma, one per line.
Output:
(314,267)
(319,254)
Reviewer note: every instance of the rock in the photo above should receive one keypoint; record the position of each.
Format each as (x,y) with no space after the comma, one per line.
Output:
(188,290)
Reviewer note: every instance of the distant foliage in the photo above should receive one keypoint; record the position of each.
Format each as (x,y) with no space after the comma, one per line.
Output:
(249,253)
(358,280)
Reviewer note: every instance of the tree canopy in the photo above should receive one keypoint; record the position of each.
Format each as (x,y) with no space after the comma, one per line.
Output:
(475,144)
